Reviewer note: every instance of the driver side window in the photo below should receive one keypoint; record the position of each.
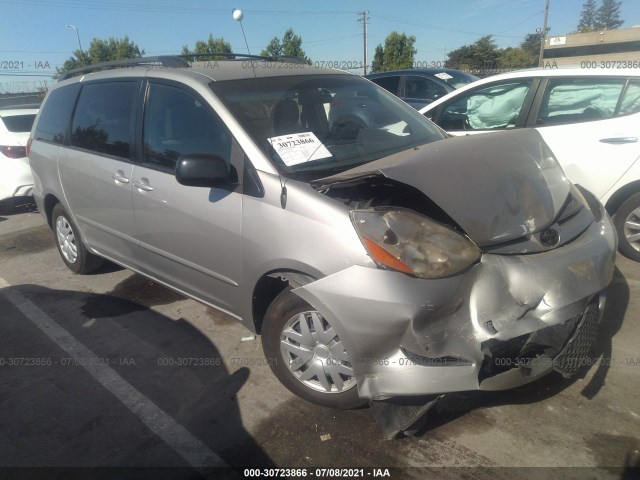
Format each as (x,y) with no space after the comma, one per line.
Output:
(176,123)
(490,108)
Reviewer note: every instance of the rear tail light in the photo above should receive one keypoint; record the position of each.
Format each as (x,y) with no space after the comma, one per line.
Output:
(29,142)
(13,152)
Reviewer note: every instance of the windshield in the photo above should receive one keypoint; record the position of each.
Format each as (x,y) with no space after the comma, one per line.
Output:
(456,79)
(323,124)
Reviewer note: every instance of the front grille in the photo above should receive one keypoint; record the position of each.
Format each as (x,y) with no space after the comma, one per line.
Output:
(575,353)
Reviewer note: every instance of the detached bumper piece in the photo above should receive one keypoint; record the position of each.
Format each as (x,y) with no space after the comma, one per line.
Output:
(402,415)
(564,347)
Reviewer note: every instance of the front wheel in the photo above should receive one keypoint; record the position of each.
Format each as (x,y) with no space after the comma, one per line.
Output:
(73,252)
(306,354)
(627,222)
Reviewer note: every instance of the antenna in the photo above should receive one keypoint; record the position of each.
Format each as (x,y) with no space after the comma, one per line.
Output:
(238,16)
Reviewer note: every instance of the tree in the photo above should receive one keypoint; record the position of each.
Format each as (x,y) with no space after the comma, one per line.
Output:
(102,51)
(608,15)
(378,60)
(524,56)
(212,45)
(398,53)
(292,46)
(289,46)
(274,48)
(587,22)
(531,45)
(482,54)
(515,58)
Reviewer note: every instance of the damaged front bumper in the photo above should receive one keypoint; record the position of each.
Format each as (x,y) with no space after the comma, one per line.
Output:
(505,322)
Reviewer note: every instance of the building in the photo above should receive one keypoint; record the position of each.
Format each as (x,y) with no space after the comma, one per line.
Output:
(599,49)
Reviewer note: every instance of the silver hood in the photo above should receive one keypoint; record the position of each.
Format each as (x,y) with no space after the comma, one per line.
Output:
(498,186)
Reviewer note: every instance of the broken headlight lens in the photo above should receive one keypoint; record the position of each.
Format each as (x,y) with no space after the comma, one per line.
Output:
(408,242)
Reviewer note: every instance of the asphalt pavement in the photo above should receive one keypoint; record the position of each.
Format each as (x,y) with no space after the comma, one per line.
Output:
(113,374)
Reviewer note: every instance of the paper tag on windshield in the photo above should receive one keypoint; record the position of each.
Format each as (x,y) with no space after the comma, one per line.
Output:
(443,76)
(298,148)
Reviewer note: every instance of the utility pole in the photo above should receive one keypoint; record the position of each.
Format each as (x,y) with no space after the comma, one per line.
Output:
(544,33)
(363,18)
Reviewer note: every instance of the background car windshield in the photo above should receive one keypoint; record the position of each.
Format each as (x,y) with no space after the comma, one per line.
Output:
(354,121)
(456,79)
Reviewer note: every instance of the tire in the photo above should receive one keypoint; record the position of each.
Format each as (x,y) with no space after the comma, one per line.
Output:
(73,252)
(627,223)
(289,313)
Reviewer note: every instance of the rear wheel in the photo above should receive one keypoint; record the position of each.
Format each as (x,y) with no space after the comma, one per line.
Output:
(73,252)
(627,222)
(307,355)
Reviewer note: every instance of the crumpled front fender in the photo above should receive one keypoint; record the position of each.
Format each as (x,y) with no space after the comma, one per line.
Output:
(410,336)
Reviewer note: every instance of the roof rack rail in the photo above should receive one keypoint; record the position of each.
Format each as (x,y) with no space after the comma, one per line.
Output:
(162,60)
(175,61)
(239,56)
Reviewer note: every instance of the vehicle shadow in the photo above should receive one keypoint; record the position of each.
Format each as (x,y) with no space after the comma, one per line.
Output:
(169,361)
(453,406)
(22,207)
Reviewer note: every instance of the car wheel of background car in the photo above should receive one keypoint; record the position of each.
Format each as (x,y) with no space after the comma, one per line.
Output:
(306,354)
(73,252)
(627,222)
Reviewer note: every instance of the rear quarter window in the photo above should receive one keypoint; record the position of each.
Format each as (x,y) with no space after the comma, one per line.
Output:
(56,114)
(19,123)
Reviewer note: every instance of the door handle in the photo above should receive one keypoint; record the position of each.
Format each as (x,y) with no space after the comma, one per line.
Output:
(619,140)
(119,177)
(143,185)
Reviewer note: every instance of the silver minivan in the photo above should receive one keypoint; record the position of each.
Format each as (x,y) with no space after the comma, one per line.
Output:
(378,260)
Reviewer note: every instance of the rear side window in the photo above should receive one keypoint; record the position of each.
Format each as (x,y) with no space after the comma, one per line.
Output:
(177,123)
(572,100)
(56,114)
(19,123)
(423,88)
(388,83)
(103,121)
(631,99)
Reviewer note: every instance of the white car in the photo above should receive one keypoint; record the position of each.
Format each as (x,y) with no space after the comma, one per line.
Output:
(16,182)
(589,117)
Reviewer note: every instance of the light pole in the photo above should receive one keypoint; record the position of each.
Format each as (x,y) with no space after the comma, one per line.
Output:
(78,35)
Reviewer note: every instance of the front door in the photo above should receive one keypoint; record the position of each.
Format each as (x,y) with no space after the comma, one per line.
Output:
(190,237)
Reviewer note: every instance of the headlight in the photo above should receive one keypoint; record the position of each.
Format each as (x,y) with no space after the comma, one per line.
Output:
(408,242)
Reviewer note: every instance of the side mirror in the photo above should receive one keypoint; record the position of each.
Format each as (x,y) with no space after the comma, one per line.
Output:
(202,170)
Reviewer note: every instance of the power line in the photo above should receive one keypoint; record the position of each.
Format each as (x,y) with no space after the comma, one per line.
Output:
(392,18)
(523,21)
(159,8)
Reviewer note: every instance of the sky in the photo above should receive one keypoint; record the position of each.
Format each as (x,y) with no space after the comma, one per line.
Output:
(34,38)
